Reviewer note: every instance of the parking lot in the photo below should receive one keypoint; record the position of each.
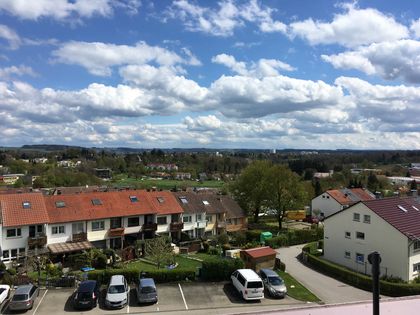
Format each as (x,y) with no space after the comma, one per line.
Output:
(172,297)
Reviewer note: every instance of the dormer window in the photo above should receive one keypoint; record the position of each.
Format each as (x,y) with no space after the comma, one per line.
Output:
(183,200)
(26,205)
(205,202)
(134,199)
(96,202)
(60,204)
(160,199)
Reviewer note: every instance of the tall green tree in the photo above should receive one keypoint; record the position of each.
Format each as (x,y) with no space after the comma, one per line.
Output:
(251,189)
(286,190)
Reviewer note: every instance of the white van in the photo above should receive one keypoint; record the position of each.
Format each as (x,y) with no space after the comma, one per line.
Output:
(248,284)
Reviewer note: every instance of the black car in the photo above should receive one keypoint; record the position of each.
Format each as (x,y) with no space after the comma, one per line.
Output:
(86,295)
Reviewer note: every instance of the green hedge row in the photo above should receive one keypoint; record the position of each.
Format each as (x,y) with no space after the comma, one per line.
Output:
(359,280)
(219,269)
(132,275)
(295,237)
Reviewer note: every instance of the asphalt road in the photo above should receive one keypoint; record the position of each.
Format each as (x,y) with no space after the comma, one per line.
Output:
(329,290)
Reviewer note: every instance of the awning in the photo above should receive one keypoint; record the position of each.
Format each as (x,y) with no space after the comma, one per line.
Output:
(116,232)
(60,248)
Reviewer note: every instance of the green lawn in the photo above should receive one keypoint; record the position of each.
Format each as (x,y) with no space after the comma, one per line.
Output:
(203,256)
(167,183)
(183,263)
(298,292)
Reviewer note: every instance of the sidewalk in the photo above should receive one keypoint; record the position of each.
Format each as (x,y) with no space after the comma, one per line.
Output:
(329,290)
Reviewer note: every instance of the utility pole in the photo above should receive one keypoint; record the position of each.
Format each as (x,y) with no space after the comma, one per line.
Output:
(375,259)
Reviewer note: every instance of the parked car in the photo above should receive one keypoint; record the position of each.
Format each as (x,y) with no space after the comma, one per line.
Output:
(86,295)
(117,292)
(146,291)
(273,284)
(4,292)
(24,298)
(248,284)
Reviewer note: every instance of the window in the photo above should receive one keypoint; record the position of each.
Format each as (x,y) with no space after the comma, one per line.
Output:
(347,255)
(160,199)
(77,227)
(26,205)
(416,245)
(183,200)
(134,199)
(187,219)
(205,202)
(96,202)
(162,220)
(98,225)
(366,218)
(356,217)
(199,217)
(6,254)
(115,223)
(209,218)
(14,253)
(59,229)
(416,267)
(360,258)
(60,204)
(360,235)
(14,232)
(347,234)
(22,252)
(133,221)
(39,229)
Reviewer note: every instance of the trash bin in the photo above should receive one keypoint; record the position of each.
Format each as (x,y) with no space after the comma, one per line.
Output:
(265,236)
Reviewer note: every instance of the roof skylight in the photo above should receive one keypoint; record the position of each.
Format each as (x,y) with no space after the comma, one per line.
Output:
(402,208)
(60,204)
(26,205)
(134,199)
(96,202)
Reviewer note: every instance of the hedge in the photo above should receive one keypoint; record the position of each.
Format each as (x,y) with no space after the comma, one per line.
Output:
(219,269)
(132,275)
(359,280)
(295,237)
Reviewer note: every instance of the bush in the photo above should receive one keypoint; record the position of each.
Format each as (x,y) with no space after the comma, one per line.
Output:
(214,251)
(277,241)
(100,261)
(132,275)
(219,269)
(222,239)
(253,235)
(251,245)
(78,261)
(226,247)
(239,238)
(206,247)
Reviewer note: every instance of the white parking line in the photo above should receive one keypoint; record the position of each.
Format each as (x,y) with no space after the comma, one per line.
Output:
(128,302)
(182,294)
(40,301)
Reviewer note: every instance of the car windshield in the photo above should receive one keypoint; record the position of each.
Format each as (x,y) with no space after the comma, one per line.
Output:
(20,297)
(275,281)
(254,284)
(2,290)
(114,289)
(148,290)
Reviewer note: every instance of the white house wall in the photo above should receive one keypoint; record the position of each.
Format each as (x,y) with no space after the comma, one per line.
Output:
(164,228)
(379,236)
(97,235)
(326,204)
(15,242)
(59,238)
(413,259)
(132,229)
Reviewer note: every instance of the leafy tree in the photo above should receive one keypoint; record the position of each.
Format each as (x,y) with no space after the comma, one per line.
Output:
(159,250)
(286,190)
(413,185)
(251,189)
(372,182)
(318,188)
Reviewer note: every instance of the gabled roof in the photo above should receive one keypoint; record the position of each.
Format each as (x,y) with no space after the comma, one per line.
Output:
(401,213)
(164,202)
(260,252)
(80,207)
(23,209)
(191,204)
(348,196)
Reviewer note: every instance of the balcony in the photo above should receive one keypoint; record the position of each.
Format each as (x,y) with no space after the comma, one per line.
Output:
(79,237)
(149,227)
(176,226)
(37,241)
(116,232)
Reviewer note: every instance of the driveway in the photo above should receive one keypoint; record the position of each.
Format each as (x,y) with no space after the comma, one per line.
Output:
(329,290)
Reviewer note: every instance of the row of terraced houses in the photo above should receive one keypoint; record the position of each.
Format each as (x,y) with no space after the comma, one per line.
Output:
(33,223)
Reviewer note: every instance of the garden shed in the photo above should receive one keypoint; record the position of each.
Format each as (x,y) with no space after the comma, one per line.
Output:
(258,258)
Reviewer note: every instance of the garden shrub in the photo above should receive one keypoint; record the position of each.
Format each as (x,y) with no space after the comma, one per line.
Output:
(253,235)
(277,241)
(238,238)
(205,247)
(223,239)
(219,269)
(214,251)
(226,247)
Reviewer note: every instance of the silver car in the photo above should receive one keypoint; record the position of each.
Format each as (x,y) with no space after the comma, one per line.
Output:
(117,292)
(146,291)
(273,284)
(24,298)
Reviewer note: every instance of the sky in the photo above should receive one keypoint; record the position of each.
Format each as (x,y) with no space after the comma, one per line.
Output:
(211,74)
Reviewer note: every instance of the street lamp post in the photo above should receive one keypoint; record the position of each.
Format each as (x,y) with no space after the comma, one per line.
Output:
(375,259)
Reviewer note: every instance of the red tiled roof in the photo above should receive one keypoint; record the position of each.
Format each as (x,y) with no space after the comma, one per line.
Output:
(14,214)
(79,207)
(260,252)
(164,202)
(391,210)
(350,196)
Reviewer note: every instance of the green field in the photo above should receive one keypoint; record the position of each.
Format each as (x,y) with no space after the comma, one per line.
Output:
(183,263)
(296,290)
(167,183)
